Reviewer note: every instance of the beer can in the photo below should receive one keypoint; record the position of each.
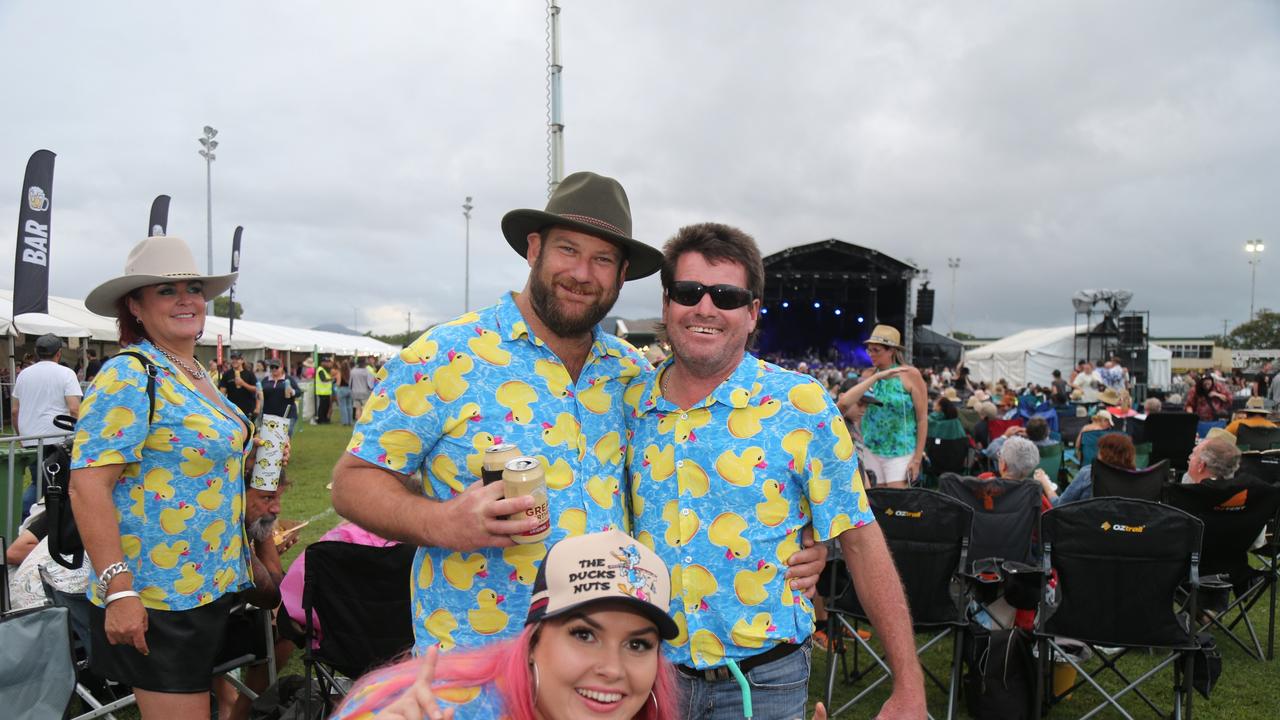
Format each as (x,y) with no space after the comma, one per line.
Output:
(524,476)
(496,459)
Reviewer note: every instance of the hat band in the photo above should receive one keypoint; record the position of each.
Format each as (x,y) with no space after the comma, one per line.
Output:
(594,221)
(881,340)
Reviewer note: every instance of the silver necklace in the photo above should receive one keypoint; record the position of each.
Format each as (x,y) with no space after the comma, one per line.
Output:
(195,372)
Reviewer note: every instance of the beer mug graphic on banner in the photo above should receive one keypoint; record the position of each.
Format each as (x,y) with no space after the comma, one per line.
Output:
(36,198)
(274,433)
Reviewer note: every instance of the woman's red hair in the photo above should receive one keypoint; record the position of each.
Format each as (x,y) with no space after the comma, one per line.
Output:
(506,664)
(131,331)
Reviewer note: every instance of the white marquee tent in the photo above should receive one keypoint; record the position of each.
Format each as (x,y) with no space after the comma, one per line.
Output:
(1031,356)
(68,317)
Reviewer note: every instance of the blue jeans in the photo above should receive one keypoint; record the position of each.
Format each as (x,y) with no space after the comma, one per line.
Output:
(779,690)
(344,403)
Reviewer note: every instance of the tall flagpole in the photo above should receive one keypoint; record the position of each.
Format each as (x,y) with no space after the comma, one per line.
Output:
(556,121)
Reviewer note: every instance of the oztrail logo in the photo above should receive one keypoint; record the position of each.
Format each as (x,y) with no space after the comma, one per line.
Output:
(1106,526)
(914,514)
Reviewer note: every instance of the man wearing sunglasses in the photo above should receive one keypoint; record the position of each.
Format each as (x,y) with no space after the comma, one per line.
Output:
(730,456)
(534,370)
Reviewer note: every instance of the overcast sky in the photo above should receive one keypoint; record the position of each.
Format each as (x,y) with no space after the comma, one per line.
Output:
(1052,146)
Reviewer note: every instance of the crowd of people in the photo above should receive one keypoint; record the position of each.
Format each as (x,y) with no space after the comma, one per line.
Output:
(692,494)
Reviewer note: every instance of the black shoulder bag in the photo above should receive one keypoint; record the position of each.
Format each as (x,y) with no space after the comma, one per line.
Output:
(65,546)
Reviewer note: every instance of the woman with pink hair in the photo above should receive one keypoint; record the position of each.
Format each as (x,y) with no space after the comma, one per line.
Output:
(591,647)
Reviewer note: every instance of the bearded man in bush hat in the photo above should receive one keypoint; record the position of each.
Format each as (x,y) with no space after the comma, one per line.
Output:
(535,370)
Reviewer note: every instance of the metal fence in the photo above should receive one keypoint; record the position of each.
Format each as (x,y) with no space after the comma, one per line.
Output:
(22,457)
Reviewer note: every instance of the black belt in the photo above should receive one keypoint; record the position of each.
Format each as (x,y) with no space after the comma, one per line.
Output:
(722,672)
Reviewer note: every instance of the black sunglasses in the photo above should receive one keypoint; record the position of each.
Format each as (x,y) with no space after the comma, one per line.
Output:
(725,297)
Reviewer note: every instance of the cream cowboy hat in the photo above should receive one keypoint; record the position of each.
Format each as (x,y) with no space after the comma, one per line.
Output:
(951,394)
(884,335)
(151,262)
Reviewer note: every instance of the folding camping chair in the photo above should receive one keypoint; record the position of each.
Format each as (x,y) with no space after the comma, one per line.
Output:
(997,426)
(946,447)
(1145,484)
(1257,438)
(248,642)
(1006,522)
(1261,464)
(37,670)
(1172,436)
(1119,564)
(968,418)
(1204,426)
(1006,515)
(928,537)
(361,595)
(1234,515)
(1088,449)
(1051,460)
(1070,426)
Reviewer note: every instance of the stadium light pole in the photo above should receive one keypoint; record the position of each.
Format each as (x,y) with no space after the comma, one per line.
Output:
(1254,248)
(208,145)
(466,282)
(954,264)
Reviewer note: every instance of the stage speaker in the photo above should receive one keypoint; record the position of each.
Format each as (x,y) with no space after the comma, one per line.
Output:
(1131,333)
(924,306)
(1136,361)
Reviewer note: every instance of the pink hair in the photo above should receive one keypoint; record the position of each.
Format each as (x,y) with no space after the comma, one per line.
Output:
(506,664)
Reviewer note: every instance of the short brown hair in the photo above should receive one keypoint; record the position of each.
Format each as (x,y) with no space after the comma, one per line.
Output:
(717,243)
(1117,449)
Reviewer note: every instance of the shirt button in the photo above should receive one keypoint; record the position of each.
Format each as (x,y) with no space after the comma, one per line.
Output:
(679,463)
(684,511)
(684,416)
(688,558)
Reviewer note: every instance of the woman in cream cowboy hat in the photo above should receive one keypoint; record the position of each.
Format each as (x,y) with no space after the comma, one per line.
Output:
(894,430)
(168,467)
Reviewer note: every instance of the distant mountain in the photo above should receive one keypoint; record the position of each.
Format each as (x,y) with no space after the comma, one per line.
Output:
(336,328)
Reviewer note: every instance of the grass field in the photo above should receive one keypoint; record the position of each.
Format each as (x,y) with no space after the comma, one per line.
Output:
(1247,690)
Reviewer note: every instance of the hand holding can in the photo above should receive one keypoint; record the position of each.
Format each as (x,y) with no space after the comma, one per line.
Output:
(524,476)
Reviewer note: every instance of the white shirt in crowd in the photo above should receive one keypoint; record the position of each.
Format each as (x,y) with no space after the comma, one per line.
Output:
(42,391)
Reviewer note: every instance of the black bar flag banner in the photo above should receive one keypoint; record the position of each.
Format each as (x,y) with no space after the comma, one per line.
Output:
(31,264)
(235,267)
(159,223)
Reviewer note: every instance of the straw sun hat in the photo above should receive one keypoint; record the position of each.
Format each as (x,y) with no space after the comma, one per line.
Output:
(153,261)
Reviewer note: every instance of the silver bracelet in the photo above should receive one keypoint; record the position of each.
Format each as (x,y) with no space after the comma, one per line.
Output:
(114,569)
(120,595)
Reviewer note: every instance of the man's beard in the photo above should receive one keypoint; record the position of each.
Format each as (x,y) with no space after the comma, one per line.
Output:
(542,298)
(260,530)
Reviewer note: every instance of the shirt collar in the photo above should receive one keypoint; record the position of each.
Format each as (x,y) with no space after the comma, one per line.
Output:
(512,327)
(740,389)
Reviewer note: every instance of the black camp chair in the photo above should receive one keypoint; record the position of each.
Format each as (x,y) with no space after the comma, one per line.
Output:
(1172,436)
(928,536)
(360,594)
(1260,464)
(1070,425)
(1119,565)
(1257,438)
(946,447)
(1234,515)
(1006,515)
(1145,484)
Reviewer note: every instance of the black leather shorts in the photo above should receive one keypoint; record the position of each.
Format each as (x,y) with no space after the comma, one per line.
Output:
(183,645)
